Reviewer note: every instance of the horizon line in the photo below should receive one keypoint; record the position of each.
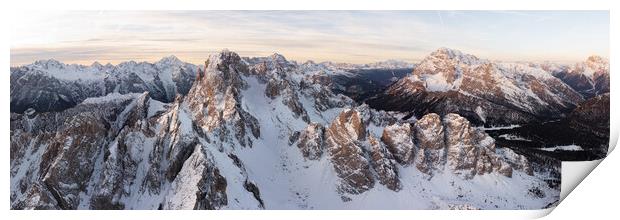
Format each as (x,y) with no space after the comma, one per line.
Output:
(199,62)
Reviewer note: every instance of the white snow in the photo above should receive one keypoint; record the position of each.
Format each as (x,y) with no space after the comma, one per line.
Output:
(481,114)
(112,97)
(155,107)
(523,69)
(511,137)
(571,147)
(438,83)
(495,128)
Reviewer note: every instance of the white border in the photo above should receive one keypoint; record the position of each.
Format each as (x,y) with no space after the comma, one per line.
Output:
(607,175)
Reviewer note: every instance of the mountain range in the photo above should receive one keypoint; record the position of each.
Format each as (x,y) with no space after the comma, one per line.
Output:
(268,133)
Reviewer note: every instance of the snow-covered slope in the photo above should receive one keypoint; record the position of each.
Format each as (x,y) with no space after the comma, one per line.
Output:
(263,134)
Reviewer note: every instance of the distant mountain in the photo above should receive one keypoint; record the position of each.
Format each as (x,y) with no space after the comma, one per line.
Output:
(260,133)
(486,92)
(359,82)
(388,64)
(49,85)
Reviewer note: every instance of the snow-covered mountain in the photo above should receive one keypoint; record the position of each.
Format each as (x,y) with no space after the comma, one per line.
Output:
(260,133)
(49,85)
(481,90)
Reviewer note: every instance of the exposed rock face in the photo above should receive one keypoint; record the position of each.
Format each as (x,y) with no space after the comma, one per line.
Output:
(36,197)
(378,118)
(462,146)
(466,150)
(215,101)
(344,144)
(119,166)
(322,96)
(207,188)
(275,70)
(512,160)
(429,134)
(470,151)
(384,165)
(349,124)
(311,141)
(62,146)
(398,139)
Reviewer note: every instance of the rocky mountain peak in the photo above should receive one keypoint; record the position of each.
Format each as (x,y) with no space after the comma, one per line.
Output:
(275,63)
(398,138)
(223,60)
(97,65)
(429,135)
(169,60)
(278,58)
(446,54)
(215,100)
(443,69)
(346,152)
(50,63)
(598,63)
(223,69)
(352,122)
(452,81)
(309,63)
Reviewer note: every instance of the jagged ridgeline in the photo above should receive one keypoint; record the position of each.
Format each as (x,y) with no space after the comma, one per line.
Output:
(248,133)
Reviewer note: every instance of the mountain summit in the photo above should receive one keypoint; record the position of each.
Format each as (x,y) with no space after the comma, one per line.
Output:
(449,81)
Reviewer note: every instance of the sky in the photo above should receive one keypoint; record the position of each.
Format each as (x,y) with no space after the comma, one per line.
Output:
(83,37)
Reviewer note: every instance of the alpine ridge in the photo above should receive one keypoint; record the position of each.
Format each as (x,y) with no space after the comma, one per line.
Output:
(49,85)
